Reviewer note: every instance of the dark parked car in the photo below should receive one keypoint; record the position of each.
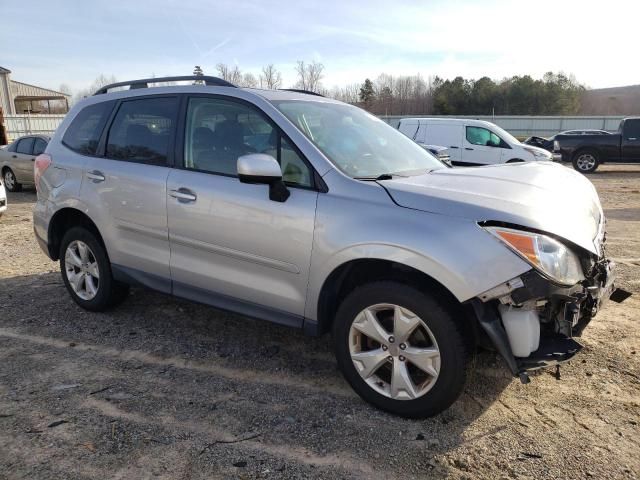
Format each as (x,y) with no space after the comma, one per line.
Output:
(586,152)
(547,143)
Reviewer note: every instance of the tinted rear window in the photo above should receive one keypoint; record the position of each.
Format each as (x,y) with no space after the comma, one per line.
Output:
(142,130)
(39,146)
(84,132)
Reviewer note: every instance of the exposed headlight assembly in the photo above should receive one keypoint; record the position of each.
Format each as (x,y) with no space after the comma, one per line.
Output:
(539,155)
(550,257)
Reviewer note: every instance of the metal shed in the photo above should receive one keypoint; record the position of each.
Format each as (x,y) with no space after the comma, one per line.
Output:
(18,97)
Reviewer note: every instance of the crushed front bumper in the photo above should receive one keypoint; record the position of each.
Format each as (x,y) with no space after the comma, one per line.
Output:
(567,311)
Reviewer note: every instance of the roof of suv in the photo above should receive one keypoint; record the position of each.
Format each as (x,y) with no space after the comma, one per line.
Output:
(213,84)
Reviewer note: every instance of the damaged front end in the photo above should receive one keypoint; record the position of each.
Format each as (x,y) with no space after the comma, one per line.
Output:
(532,320)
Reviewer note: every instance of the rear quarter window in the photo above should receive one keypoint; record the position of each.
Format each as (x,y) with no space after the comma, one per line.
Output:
(83,135)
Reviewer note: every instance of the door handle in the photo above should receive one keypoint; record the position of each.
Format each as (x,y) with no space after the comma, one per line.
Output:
(453,146)
(14,156)
(96,176)
(632,138)
(33,159)
(183,195)
(467,148)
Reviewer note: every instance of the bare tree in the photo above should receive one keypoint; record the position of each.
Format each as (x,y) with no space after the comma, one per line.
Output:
(248,80)
(309,75)
(100,81)
(230,74)
(270,77)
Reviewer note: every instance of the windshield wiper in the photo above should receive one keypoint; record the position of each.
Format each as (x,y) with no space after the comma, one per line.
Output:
(382,176)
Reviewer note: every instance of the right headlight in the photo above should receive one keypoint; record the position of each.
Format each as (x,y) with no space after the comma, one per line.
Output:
(547,255)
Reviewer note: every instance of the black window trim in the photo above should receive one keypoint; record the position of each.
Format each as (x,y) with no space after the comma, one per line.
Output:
(317,184)
(101,151)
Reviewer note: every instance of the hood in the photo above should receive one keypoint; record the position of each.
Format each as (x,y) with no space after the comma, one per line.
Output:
(539,195)
(540,150)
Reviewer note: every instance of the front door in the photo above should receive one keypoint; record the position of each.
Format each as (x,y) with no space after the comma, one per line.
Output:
(631,141)
(481,146)
(231,246)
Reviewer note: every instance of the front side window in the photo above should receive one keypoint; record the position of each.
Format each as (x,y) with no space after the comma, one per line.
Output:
(142,130)
(483,136)
(632,129)
(25,146)
(219,131)
(357,143)
(85,130)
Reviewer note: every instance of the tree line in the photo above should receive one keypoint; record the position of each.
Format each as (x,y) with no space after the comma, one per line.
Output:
(553,94)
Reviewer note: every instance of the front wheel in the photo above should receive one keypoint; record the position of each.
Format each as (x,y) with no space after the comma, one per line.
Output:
(10,181)
(586,161)
(86,271)
(399,349)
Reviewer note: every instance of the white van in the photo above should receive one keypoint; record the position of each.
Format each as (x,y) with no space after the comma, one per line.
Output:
(471,142)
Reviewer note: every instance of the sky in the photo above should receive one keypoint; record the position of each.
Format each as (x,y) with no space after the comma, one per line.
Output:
(72,42)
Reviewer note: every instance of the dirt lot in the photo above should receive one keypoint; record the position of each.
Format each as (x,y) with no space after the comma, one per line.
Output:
(161,388)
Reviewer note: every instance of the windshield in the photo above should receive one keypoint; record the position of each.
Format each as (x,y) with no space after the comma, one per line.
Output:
(506,136)
(359,144)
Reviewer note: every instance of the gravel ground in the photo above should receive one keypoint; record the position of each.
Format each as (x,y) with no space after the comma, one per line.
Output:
(162,388)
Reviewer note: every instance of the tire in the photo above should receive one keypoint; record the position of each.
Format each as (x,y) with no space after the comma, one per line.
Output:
(435,392)
(586,161)
(10,181)
(106,291)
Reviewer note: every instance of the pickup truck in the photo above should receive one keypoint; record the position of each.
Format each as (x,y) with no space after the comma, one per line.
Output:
(587,152)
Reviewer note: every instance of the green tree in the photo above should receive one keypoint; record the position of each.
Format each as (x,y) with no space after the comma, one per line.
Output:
(367,94)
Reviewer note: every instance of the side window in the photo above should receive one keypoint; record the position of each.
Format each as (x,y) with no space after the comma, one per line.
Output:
(142,130)
(25,146)
(482,136)
(219,131)
(39,146)
(85,130)
(632,129)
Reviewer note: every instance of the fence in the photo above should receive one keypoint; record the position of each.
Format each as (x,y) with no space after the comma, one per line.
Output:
(18,125)
(518,125)
(525,126)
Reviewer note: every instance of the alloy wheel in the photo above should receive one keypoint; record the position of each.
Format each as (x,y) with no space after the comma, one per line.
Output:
(586,162)
(394,351)
(81,268)
(9,180)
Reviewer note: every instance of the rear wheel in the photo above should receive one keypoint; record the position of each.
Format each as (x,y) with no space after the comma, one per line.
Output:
(586,161)
(10,181)
(86,271)
(400,349)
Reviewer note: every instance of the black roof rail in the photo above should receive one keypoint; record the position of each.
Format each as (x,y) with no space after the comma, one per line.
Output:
(144,83)
(299,90)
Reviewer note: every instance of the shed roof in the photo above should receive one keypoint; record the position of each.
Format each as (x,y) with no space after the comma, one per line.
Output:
(25,90)
(4,70)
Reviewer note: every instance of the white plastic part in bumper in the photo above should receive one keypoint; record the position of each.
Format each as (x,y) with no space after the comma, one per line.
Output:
(523,329)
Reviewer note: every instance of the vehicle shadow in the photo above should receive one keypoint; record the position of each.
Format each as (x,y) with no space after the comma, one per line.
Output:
(25,196)
(203,371)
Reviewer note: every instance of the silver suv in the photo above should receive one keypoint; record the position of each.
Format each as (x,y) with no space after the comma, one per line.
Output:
(304,211)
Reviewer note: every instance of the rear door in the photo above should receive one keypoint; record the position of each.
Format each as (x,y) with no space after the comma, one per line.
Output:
(22,160)
(126,188)
(231,246)
(481,146)
(631,141)
(445,135)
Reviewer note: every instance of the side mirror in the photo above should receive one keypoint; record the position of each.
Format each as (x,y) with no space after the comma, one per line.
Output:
(263,169)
